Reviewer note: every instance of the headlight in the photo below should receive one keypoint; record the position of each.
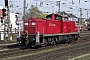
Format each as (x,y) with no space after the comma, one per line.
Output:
(26,24)
(33,23)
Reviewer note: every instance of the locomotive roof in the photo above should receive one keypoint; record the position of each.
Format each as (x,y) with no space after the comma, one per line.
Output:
(54,14)
(57,15)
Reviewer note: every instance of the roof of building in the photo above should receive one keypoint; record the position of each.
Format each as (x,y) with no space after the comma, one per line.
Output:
(67,14)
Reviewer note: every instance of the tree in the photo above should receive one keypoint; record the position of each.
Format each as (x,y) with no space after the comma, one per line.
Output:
(33,12)
(43,16)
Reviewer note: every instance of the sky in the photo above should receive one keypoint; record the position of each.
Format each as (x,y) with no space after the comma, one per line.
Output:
(17,6)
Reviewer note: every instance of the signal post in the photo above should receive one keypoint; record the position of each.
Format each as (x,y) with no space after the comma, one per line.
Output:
(7,21)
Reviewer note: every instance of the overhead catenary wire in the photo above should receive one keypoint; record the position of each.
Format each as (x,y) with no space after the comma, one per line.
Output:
(43,6)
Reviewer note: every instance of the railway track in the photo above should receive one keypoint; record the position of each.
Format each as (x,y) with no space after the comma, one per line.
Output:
(61,54)
(47,53)
(44,53)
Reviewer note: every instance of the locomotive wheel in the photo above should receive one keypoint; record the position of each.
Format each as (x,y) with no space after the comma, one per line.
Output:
(68,41)
(45,42)
(75,38)
(23,42)
(26,42)
(53,41)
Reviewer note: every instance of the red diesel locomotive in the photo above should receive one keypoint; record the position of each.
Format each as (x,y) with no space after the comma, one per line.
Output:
(52,30)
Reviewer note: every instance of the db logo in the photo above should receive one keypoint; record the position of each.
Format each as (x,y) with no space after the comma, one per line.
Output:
(52,24)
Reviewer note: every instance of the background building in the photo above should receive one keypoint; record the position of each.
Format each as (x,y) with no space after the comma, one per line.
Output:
(1,15)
